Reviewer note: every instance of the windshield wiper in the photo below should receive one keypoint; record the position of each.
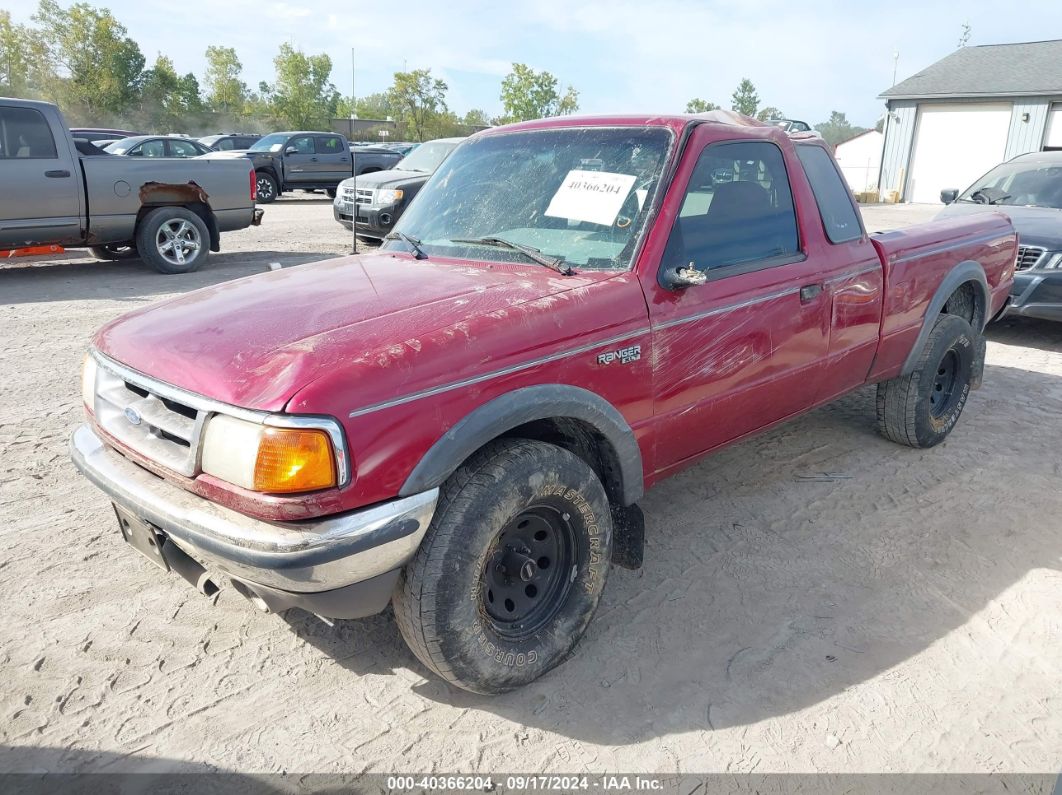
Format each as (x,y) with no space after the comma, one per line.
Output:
(532,253)
(411,241)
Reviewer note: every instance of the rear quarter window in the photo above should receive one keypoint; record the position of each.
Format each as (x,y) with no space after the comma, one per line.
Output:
(839,217)
(24,134)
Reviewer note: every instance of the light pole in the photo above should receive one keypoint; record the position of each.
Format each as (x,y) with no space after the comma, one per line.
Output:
(353,157)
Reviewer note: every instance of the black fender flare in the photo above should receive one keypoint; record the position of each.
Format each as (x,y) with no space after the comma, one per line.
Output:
(965,271)
(519,407)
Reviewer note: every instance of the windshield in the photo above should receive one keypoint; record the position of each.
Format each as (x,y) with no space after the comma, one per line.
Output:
(577,194)
(427,157)
(271,143)
(1029,184)
(121,145)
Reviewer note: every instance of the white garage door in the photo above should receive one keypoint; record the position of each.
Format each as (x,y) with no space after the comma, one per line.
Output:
(954,145)
(1053,140)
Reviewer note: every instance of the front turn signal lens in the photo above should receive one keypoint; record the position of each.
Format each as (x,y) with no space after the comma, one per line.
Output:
(294,459)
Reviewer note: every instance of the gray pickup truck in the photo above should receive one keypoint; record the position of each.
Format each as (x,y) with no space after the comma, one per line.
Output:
(308,160)
(169,212)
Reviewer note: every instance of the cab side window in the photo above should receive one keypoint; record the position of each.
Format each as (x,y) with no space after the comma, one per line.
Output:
(24,134)
(738,212)
(329,145)
(834,201)
(303,145)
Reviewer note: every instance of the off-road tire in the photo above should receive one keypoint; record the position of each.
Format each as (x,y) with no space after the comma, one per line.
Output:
(441,599)
(921,408)
(148,230)
(113,252)
(266,189)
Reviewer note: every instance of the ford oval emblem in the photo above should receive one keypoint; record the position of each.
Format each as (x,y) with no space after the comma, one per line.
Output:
(132,415)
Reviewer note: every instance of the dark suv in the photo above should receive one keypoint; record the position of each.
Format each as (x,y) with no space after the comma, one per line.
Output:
(226,142)
(381,197)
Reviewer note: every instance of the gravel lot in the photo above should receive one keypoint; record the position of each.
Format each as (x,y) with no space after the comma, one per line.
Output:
(816,599)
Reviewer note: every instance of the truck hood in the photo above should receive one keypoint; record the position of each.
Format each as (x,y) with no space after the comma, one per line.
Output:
(1037,226)
(255,342)
(393,178)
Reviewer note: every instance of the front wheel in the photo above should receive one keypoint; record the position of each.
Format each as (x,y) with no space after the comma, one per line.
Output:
(511,569)
(173,240)
(921,408)
(265,188)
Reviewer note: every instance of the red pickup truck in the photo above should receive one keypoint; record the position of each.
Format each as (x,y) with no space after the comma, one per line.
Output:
(463,422)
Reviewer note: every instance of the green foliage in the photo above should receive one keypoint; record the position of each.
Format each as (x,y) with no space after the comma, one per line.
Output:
(476,118)
(527,94)
(95,67)
(770,112)
(696,105)
(417,100)
(303,96)
(16,58)
(745,99)
(167,100)
(838,129)
(226,93)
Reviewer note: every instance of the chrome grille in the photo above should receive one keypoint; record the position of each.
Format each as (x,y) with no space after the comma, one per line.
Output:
(346,193)
(364,196)
(1028,257)
(157,426)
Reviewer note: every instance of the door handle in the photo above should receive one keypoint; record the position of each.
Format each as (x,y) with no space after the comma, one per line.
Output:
(58,173)
(809,292)
(313,159)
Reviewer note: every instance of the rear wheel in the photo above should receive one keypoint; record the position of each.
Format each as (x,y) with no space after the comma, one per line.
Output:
(511,569)
(173,240)
(114,251)
(921,408)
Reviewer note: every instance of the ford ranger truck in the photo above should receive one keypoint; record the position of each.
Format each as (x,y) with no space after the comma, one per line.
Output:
(169,212)
(462,423)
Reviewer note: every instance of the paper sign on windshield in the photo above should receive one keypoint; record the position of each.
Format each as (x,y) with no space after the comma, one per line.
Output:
(593,196)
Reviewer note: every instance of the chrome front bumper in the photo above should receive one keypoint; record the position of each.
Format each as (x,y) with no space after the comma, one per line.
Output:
(302,557)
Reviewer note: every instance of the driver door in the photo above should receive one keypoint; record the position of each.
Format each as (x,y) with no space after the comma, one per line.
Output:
(745,348)
(300,164)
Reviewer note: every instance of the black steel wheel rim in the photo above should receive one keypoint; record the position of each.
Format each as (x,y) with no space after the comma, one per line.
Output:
(527,574)
(944,394)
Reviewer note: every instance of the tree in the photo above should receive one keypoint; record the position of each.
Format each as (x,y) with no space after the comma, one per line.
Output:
(16,57)
(745,99)
(696,105)
(168,100)
(303,95)
(527,94)
(964,35)
(373,106)
(97,66)
(416,98)
(226,93)
(838,129)
(476,118)
(770,112)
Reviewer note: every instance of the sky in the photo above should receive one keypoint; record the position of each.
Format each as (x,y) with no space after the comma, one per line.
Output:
(806,58)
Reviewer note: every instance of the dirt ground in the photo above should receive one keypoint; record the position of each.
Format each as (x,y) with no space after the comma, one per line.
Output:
(816,599)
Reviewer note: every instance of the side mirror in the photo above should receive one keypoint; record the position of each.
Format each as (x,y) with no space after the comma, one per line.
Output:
(949,195)
(291,150)
(683,277)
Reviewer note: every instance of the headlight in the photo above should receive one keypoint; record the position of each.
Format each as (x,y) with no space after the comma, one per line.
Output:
(269,459)
(88,382)
(386,196)
(1054,261)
